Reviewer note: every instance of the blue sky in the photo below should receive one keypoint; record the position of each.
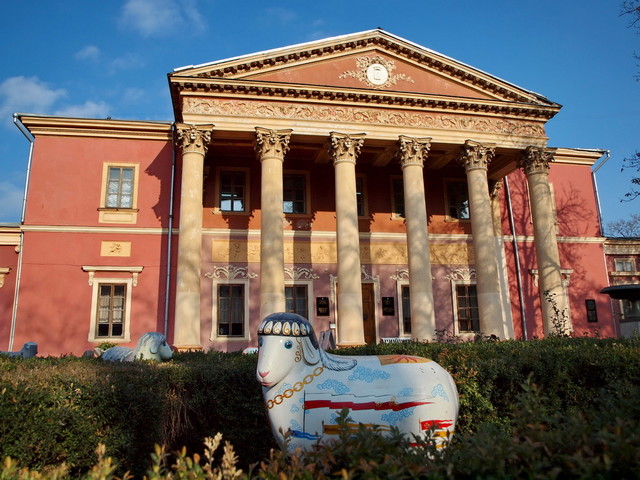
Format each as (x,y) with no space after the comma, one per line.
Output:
(91,58)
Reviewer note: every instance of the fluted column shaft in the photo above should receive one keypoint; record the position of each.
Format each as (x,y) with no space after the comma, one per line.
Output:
(412,153)
(194,141)
(271,147)
(344,149)
(475,158)
(535,163)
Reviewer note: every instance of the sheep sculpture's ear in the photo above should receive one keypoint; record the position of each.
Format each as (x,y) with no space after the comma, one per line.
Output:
(310,353)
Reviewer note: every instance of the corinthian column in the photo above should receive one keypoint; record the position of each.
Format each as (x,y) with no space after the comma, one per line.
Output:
(344,149)
(194,141)
(535,163)
(271,146)
(412,153)
(475,157)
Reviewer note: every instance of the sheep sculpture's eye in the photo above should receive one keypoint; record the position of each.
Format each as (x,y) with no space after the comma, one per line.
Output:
(288,344)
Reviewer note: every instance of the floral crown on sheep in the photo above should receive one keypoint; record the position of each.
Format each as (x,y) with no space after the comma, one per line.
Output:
(287,325)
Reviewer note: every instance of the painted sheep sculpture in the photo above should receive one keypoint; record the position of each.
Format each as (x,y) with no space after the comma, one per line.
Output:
(151,346)
(305,388)
(28,350)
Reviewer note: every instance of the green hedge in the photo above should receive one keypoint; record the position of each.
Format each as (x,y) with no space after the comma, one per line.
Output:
(548,403)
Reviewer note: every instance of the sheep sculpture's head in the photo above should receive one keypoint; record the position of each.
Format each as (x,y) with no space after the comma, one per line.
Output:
(153,346)
(285,340)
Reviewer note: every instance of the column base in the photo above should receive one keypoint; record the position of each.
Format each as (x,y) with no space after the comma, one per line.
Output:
(347,345)
(188,348)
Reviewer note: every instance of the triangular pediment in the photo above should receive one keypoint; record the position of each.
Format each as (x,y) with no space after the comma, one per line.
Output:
(374,60)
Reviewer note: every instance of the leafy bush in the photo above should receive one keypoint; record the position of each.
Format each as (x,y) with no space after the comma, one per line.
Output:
(577,416)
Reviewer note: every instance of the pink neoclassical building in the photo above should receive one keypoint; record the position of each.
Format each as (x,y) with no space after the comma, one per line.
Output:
(376,187)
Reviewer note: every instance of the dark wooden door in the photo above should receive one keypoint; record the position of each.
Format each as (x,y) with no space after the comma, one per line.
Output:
(368,313)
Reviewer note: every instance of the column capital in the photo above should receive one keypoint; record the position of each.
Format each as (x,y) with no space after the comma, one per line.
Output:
(413,151)
(272,143)
(344,147)
(536,159)
(193,138)
(476,155)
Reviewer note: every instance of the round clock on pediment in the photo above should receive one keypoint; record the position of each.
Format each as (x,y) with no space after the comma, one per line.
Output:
(377,74)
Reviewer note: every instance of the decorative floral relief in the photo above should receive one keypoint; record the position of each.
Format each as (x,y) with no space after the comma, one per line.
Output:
(230,272)
(300,273)
(332,113)
(461,274)
(376,72)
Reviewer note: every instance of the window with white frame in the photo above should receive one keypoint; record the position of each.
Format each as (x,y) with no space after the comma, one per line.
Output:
(119,194)
(297,299)
(111,310)
(112,301)
(119,187)
(231,311)
(111,297)
(624,265)
(466,308)
(405,310)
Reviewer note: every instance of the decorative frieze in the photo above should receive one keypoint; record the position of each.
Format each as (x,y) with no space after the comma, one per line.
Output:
(320,252)
(413,151)
(476,155)
(536,159)
(362,115)
(193,138)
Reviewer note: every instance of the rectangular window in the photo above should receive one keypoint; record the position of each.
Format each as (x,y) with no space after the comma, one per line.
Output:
(111,311)
(457,201)
(397,186)
(406,310)
(232,191)
(296,299)
(120,182)
(624,265)
(467,308)
(294,193)
(231,310)
(592,313)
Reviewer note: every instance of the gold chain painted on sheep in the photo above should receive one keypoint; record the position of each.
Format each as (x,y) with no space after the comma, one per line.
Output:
(298,386)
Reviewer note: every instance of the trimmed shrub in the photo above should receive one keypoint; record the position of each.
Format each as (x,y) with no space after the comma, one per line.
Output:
(578,415)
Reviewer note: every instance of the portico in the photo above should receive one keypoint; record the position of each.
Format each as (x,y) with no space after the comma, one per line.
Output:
(385,115)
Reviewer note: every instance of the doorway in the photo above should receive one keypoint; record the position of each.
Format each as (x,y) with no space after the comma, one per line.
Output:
(369,314)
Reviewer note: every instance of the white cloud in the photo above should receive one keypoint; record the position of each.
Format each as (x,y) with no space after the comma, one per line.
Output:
(126,62)
(32,95)
(27,95)
(90,52)
(160,17)
(88,109)
(281,15)
(11,201)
